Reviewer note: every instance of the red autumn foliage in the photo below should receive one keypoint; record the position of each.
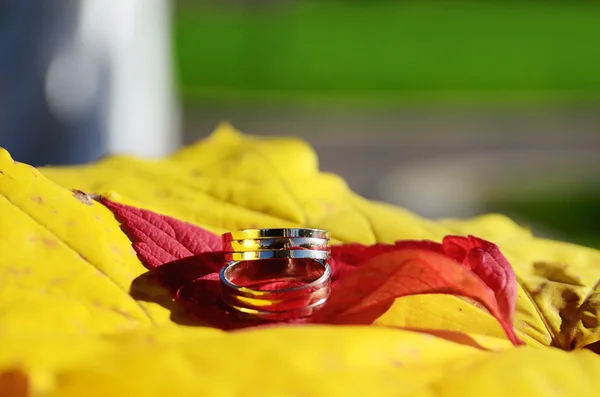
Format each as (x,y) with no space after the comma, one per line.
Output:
(367,292)
(366,279)
(485,260)
(159,239)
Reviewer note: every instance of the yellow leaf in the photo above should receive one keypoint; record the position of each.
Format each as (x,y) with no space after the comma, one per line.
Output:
(69,326)
(65,264)
(232,181)
(524,372)
(311,361)
(314,361)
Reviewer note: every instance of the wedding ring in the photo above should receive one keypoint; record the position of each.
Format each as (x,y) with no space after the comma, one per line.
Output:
(276,243)
(274,254)
(275,274)
(275,233)
(255,290)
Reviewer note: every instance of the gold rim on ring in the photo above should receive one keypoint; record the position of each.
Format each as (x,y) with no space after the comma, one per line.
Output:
(274,233)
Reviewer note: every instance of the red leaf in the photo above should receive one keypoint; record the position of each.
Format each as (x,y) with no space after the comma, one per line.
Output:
(185,259)
(345,257)
(159,239)
(485,260)
(420,244)
(366,279)
(366,293)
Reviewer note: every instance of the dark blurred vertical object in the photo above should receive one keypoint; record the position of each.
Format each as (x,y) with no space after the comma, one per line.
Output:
(33,127)
(80,79)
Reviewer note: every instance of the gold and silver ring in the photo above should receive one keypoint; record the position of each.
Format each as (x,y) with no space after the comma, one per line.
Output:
(276,274)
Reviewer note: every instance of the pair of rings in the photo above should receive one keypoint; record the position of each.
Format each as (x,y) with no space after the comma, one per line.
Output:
(275,274)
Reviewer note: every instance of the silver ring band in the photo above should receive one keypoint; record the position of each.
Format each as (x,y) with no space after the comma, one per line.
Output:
(277,254)
(225,278)
(275,304)
(304,311)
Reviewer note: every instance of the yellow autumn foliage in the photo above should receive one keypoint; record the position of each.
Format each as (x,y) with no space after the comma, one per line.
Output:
(69,326)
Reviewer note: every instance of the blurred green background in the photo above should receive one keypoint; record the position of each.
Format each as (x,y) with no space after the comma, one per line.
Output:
(384,89)
(388,52)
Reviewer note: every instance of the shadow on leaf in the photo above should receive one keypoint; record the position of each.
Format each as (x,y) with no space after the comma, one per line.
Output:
(190,289)
(449,335)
